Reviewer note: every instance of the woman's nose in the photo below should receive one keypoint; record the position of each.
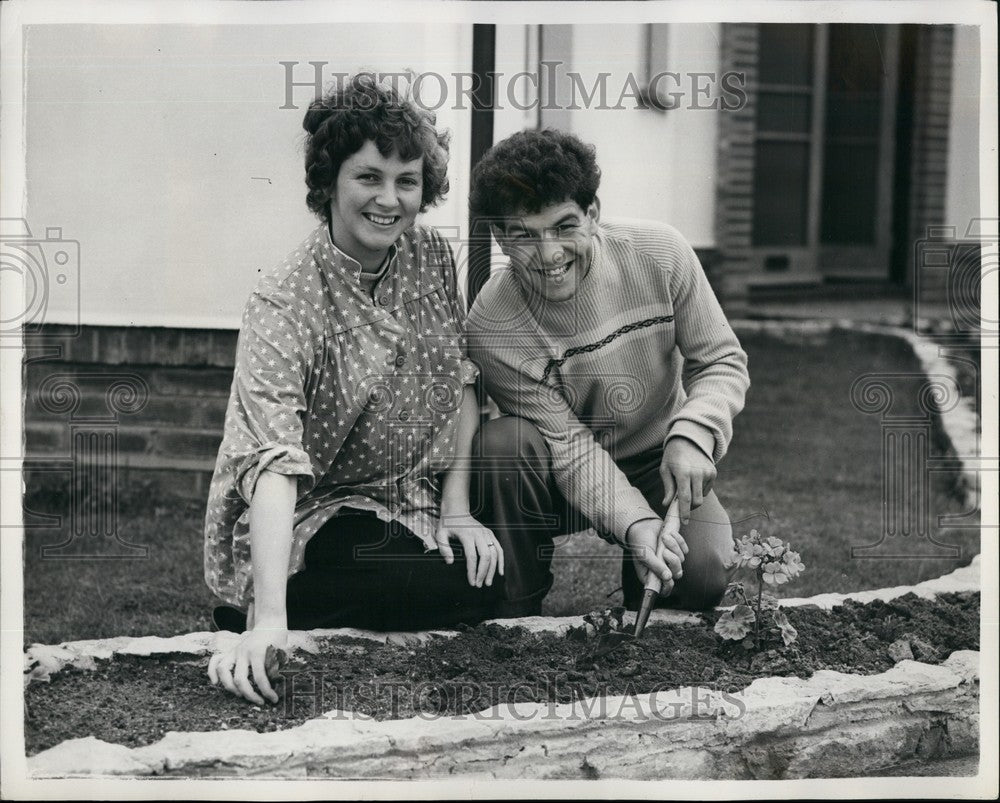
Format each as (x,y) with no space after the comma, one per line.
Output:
(386,197)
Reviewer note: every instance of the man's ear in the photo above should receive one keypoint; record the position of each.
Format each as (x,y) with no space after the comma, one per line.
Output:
(594,210)
(497,233)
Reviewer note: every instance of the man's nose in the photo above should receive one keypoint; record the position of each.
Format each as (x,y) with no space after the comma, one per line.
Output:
(552,253)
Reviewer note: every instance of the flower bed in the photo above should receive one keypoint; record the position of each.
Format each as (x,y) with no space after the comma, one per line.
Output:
(677,704)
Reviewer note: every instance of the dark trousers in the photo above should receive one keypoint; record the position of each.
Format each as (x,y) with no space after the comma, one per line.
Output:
(514,494)
(362,572)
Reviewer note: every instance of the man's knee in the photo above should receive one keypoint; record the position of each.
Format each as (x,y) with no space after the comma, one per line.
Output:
(511,437)
(706,586)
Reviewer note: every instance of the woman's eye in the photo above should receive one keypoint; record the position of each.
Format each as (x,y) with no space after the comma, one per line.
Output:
(408,182)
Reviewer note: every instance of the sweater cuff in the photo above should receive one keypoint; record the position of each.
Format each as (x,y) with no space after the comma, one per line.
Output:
(629,516)
(702,437)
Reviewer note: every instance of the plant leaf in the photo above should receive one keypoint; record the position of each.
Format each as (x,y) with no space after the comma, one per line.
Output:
(768,602)
(788,633)
(735,624)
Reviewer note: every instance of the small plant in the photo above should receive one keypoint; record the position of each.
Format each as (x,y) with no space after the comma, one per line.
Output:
(758,619)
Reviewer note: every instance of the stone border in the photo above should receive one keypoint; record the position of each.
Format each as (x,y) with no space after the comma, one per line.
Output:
(832,725)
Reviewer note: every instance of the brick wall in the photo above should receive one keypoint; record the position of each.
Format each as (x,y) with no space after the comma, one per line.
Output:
(928,174)
(735,157)
(147,404)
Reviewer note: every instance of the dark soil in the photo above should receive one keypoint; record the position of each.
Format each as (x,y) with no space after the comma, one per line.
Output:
(135,701)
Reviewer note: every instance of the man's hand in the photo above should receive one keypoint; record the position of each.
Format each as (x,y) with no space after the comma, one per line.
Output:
(234,667)
(688,473)
(658,550)
(483,554)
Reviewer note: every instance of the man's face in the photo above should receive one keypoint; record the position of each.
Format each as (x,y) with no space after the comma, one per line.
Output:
(550,251)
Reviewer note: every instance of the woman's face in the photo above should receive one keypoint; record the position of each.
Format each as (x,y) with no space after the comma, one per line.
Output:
(376,199)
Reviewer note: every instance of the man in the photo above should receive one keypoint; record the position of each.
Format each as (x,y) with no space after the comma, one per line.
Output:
(618,374)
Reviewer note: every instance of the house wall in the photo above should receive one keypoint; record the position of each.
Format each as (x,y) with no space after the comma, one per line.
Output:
(962,196)
(166,153)
(655,164)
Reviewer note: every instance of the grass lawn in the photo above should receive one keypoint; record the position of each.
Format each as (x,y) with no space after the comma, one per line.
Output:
(804,465)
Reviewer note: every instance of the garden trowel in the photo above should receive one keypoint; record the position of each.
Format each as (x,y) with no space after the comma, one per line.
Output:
(671,524)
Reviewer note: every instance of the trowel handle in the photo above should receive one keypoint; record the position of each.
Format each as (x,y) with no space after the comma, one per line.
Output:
(671,523)
(654,586)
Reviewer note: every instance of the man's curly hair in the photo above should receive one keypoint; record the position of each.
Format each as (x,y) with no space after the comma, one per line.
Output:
(361,109)
(531,170)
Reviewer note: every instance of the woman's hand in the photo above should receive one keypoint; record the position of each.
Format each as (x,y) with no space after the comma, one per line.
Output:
(483,554)
(235,667)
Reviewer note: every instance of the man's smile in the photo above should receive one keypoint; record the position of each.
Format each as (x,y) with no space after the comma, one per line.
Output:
(558,271)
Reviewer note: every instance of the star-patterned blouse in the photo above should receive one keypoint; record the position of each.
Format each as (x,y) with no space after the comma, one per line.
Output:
(354,392)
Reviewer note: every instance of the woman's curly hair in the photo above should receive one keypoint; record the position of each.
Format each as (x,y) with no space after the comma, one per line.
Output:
(531,170)
(361,109)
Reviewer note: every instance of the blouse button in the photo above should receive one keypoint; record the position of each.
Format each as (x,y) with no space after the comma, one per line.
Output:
(404,416)
(400,361)
(383,300)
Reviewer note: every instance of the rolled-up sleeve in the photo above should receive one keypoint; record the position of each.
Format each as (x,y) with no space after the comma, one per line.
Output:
(468,370)
(264,428)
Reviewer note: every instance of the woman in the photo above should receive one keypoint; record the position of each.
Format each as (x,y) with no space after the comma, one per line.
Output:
(342,477)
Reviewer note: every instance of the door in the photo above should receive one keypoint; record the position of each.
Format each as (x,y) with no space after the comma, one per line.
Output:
(823,152)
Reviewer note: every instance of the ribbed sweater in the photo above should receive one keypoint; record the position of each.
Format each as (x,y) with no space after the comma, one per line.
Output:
(641,353)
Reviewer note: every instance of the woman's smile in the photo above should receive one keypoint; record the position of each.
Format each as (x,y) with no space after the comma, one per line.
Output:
(381,220)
